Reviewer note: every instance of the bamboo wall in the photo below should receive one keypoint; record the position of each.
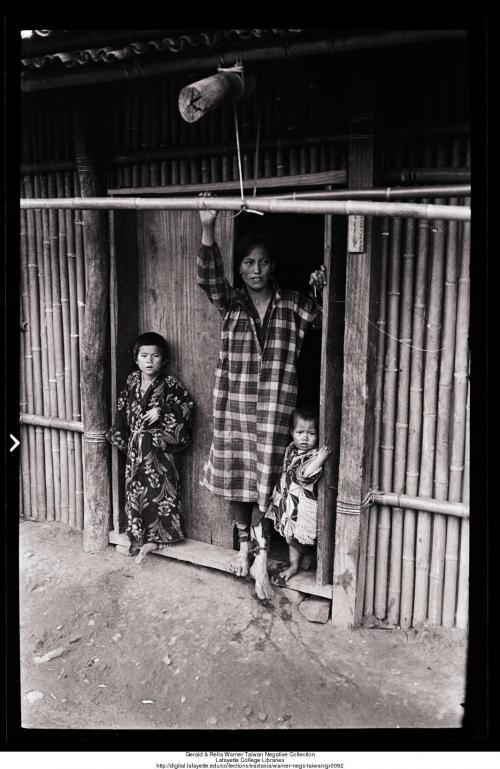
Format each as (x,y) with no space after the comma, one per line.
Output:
(417,564)
(52,312)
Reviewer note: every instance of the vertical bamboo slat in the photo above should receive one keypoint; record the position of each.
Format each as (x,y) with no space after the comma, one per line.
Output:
(462,613)
(458,433)
(52,410)
(47,444)
(25,456)
(414,423)
(65,311)
(62,513)
(372,526)
(401,427)
(34,322)
(443,425)
(432,345)
(388,419)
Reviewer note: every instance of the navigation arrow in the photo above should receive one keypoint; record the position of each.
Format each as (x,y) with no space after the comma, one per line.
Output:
(16,443)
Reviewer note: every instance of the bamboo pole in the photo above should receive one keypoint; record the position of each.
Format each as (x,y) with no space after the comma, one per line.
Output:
(42,281)
(70,354)
(383,193)
(34,325)
(438,175)
(52,409)
(401,427)
(80,267)
(432,356)
(23,404)
(388,418)
(379,378)
(52,422)
(443,426)
(73,307)
(57,322)
(414,423)
(458,430)
(425,504)
(65,311)
(265,204)
(462,613)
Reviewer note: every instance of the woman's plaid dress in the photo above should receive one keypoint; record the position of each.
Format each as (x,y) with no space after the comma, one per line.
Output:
(255,388)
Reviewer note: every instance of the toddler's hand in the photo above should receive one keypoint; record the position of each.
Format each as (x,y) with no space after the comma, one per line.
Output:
(152,415)
(323,452)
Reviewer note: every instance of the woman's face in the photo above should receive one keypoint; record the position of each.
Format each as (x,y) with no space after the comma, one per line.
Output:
(257,268)
(149,359)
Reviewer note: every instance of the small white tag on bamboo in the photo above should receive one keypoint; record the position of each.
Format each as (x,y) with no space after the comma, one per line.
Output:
(356,234)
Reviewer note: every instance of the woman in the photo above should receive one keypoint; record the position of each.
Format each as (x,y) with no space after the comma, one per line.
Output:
(255,385)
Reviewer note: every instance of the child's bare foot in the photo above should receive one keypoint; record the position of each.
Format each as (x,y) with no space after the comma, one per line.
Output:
(241,564)
(258,570)
(308,560)
(145,549)
(290,572)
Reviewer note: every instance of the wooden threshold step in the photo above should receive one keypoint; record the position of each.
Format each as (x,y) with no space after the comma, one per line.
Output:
(213,557)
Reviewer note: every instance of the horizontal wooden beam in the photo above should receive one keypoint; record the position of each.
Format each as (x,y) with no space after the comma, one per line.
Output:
(213,557)
(262,204)
(52,422)
(297,180)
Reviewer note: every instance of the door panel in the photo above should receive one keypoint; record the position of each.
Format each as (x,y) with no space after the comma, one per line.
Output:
(171,303)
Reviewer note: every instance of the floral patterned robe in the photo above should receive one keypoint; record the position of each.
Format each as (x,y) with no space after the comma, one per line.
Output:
(152,488)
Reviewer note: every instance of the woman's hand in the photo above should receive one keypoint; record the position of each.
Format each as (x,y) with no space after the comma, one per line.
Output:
(207,216)
(152,415)
(317,278)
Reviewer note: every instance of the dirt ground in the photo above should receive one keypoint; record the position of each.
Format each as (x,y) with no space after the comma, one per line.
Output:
(109,644)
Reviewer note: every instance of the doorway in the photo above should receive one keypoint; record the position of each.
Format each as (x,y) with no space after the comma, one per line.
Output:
(299,243)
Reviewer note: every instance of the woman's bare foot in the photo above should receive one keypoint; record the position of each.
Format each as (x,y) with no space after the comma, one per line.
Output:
(241,564)
(145,549)
(258,570)
(290,572)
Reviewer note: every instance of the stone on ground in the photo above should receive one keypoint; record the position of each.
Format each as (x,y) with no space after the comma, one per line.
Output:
(315,609)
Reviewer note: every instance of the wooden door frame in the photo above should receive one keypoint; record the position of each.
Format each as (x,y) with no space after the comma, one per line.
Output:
(121,297)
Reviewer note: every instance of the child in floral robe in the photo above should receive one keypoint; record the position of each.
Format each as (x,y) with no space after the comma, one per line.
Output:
(153,421)
(293,508)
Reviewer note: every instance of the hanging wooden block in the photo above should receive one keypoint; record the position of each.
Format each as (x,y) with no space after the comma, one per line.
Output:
(205,95)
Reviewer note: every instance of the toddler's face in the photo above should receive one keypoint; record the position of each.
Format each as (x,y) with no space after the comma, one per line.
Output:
(150,359)
(305,434)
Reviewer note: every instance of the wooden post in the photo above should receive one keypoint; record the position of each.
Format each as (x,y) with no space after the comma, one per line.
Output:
(331,389)
(94,357)
(358,393)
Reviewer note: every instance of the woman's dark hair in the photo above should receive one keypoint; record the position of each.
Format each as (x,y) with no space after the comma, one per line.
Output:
(246,244)
(308,413)
(151,338)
